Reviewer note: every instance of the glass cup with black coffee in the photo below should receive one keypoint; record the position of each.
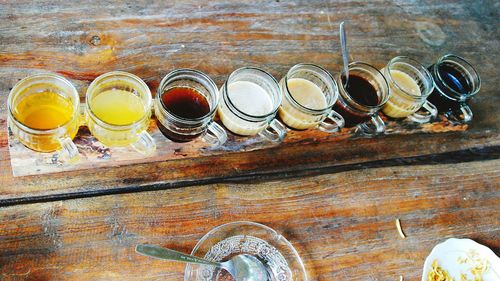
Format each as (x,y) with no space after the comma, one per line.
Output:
(185,106)
(455,83)
(362,97)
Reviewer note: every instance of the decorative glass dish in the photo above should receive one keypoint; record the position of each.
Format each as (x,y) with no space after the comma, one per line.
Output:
(225,241)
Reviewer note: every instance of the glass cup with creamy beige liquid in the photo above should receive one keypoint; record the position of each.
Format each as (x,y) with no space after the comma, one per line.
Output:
(43,113)
(118,111)
(309,92)
(250,100)
(410,84)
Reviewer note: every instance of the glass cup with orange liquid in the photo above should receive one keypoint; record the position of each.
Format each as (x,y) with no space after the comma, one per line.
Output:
(410,84)
(118,110)
(44,115)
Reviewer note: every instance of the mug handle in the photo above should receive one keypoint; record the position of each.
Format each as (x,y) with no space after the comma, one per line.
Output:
(69,151)
(215,134)
(377,126)
(82,115)
(431,113)
(274,132)
(338,123)
(465,116)
(145,144)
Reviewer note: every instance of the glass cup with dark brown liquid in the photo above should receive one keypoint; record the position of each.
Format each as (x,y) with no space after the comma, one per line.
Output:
(185,106)
(455,83)
(361,99)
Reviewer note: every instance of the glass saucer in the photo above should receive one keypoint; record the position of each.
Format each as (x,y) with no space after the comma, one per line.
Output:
(225,241)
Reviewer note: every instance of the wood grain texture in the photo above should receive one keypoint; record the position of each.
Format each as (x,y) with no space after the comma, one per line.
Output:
(341,224)
(152,38)
(94,155)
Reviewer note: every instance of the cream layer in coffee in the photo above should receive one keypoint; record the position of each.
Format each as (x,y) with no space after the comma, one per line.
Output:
(308,95)
(252,100)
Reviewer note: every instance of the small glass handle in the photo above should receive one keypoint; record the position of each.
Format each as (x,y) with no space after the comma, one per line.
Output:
(274,132)
(465,116)
(82,115)
(145,144)
(69,152)
(374,126)
(430,113)
(338,123)
(216,135)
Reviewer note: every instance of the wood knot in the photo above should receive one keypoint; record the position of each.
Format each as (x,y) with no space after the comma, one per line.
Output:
(430,33)
(95,40)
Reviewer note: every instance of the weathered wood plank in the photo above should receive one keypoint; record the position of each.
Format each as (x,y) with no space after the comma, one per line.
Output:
(309,155)
(94,155)
(150,39)
(342,224)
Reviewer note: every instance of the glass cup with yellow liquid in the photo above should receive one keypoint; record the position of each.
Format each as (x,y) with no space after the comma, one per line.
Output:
(118,110)
(410,84)
(44,115)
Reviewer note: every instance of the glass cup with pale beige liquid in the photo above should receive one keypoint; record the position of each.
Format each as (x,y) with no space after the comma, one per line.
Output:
(44,114)
(118,111)
(250,100)
(410,84)
(309,92)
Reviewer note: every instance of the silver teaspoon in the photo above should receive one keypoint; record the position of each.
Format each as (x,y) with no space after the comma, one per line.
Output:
(241,267)
(345,54)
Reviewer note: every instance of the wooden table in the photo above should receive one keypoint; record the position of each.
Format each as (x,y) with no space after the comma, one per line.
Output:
(335,197)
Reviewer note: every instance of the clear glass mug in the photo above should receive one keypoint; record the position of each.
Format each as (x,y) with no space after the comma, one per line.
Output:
(34,103)
(356,114)
(315,86)
(250,100)
(410,84)
(184,129)
(118,111)
(455,83)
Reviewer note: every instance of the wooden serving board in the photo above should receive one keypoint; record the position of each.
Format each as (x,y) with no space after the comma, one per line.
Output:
(150,39)
(95,155)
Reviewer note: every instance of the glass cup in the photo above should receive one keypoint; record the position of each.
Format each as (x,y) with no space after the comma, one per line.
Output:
(118,110)
(250,100)
(309,93)
(455,83)
(356,113)
(195,88)
(410,84)
(44,114)
(222,243)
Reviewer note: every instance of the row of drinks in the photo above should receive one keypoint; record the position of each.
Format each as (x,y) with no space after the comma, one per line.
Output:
(44,109)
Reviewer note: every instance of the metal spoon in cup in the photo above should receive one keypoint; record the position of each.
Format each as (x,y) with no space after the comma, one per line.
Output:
(241,267)
(345,54)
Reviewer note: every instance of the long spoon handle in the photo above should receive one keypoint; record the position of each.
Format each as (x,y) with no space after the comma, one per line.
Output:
(171,255)
(345,54)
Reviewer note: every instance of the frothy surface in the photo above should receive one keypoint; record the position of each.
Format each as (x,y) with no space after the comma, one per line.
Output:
(306,93)
(250,98)
(398,105)
(405,82)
